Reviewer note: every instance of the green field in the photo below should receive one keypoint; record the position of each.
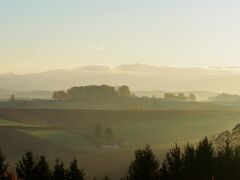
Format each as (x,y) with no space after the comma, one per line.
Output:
(74,128)
(4,122)
(64,138)
(69,133)
(19,124)
(115,103)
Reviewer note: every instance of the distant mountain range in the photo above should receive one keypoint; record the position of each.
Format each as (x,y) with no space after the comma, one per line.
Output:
(136,76)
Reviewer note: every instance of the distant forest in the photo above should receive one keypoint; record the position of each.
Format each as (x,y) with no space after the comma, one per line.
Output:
(106,97)
(223,97)
(199,162)
(106,91)
(93,91)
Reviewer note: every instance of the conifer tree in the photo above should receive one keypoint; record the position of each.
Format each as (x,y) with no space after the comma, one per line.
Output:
(25,167)
(74,173)
(145,166)
(59,173)
(205,160)
(3,166)
(173,165)
(42,170)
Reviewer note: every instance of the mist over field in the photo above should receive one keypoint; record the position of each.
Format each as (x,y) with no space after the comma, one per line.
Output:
(119,90)
(140,77)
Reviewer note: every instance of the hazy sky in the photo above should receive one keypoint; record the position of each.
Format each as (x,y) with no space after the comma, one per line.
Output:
(50,34)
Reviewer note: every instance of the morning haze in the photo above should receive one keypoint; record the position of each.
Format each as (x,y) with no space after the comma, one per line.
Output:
(40,36)
(137,76)
(119,90)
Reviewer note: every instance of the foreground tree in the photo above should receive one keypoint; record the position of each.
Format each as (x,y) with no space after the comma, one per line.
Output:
(197,164)
(189,165)
(74,173)
(205,160)
(173,165)
(3,166)
(42,170)
(59,173)
(227,163)
(25,167)
(145,166)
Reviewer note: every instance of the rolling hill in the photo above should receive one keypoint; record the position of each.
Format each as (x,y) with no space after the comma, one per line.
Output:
(69,133)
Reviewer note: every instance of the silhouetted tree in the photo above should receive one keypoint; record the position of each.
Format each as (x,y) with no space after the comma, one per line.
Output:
(189,159)
(173,165)
(145,166)
(42,170)
(25,167)
(164,173)
(74,173)
(202,163)
(227,167)
(108,134)
(237,162)
(59,173)
(205,160)
(3,166)
(98,131)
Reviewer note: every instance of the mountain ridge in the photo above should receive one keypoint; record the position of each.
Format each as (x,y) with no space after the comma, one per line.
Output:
(136,76)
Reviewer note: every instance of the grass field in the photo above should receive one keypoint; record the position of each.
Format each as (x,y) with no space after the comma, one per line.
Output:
(159,128)
(116,103)
(69,133)
(4,122)
(64,138)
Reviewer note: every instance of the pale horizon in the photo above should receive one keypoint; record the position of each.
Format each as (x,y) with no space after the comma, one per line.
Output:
(40,36)
(72,68)
(137,76)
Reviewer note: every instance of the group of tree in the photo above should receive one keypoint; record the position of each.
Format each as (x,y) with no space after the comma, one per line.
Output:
(32,167)
(200,162)
(190,162)
(92,91)
(180,96)
(103,134)
(223,97)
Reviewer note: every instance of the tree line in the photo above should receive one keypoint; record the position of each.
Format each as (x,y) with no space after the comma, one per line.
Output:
(200,162)
(190,162)
(180,96)
(223,97)
(92,91)
(32,167)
